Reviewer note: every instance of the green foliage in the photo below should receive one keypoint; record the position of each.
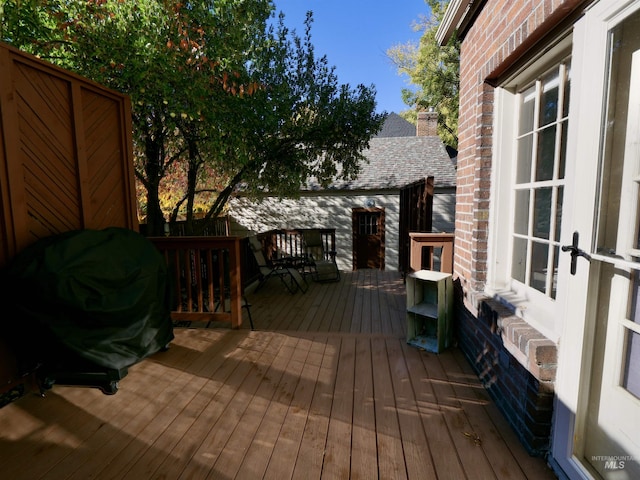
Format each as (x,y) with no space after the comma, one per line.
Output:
(316,127)
(220,98)
(434,70)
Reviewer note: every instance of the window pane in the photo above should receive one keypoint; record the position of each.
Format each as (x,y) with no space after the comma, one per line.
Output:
(527,109)
(559,201)
(539,257)
(549,98)
(542,212)
(368,224)
(525,152)
(539,166)
(631,379)
(519,264)
(634,304)
(546,154)
(554,286)
(521,221)
(563,149)
(567,91)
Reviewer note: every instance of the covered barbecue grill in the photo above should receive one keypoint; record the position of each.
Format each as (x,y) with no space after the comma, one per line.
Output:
(84,306)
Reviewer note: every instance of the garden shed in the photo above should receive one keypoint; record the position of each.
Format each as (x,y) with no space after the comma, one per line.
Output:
(403,161)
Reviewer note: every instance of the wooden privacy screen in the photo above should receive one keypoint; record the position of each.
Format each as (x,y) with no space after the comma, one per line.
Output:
(416,215)
(66,158)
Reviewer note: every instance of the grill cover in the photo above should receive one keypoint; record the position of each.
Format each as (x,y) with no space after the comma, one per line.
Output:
(101,294)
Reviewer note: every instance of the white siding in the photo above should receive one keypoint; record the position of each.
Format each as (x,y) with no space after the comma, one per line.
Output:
(444,211)
(334,211)
(319,211)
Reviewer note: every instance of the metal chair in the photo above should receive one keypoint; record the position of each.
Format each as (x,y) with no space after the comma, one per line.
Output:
(320,262)
(289,276)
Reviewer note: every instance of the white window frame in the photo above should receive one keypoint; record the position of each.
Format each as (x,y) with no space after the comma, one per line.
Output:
(536,308)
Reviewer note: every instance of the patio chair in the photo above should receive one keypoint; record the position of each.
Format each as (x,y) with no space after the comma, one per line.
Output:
(320,262)
(289,275)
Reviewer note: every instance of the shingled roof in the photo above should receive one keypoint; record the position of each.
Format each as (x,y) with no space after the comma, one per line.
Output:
(396,126)
(396,161)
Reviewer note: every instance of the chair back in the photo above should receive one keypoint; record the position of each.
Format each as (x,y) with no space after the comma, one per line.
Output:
(256,248)
(313,244)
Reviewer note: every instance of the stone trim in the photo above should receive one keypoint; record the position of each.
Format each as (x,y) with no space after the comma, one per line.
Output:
(530,348)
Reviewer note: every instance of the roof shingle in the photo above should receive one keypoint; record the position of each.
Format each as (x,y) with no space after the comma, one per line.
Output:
(397,157)
(395,162)
(396,126)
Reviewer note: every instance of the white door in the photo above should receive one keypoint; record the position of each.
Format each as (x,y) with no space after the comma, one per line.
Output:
(612,427)
(601,370)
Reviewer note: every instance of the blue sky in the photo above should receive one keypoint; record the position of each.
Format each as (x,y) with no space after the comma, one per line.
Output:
(355,36)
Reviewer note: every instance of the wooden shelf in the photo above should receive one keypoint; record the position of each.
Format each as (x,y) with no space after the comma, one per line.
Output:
(425,309)
(429,310)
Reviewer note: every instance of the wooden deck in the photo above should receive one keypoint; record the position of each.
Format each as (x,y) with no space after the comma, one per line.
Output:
(326,387)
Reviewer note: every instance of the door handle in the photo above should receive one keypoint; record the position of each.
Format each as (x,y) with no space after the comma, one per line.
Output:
(575,252)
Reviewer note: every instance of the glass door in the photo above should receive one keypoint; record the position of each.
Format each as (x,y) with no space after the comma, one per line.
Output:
(612,413)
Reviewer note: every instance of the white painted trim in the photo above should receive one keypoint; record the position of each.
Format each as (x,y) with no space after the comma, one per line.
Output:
(453,17)
(583,141)
(536,308)
(498,244)
(574,355)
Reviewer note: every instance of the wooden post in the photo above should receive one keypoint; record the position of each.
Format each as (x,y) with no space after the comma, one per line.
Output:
(235,284)
(419,241)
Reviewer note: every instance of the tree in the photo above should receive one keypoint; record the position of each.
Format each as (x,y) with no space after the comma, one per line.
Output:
(170,58)
(298,123)
(434,70)
(215,93)
(302,124)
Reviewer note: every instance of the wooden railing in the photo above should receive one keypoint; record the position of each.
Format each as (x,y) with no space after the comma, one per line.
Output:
(214,227)
(206,273)
(289,243)
(431,251)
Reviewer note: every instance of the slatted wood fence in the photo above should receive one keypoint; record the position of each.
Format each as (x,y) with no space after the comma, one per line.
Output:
(66,156)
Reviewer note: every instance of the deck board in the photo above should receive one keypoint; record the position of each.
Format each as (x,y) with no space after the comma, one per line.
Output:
(391,461)
(314,438)
(364,458)
(290,436)
(326,387)
(337,455)
(414,438)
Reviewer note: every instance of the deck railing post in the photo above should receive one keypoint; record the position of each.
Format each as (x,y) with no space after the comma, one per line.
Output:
(235,286)
(203,294)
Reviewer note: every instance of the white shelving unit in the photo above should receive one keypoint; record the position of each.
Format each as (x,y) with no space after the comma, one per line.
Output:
(430,310)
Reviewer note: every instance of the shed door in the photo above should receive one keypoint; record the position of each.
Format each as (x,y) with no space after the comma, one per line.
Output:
(368,238)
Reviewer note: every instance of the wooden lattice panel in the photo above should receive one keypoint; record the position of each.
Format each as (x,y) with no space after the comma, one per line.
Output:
(47,152)
(66,157)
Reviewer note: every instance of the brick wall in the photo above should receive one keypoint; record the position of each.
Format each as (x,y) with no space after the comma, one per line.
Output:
(501,34)
(525,401)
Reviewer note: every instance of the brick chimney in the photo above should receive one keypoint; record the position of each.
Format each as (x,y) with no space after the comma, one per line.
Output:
(427,125)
